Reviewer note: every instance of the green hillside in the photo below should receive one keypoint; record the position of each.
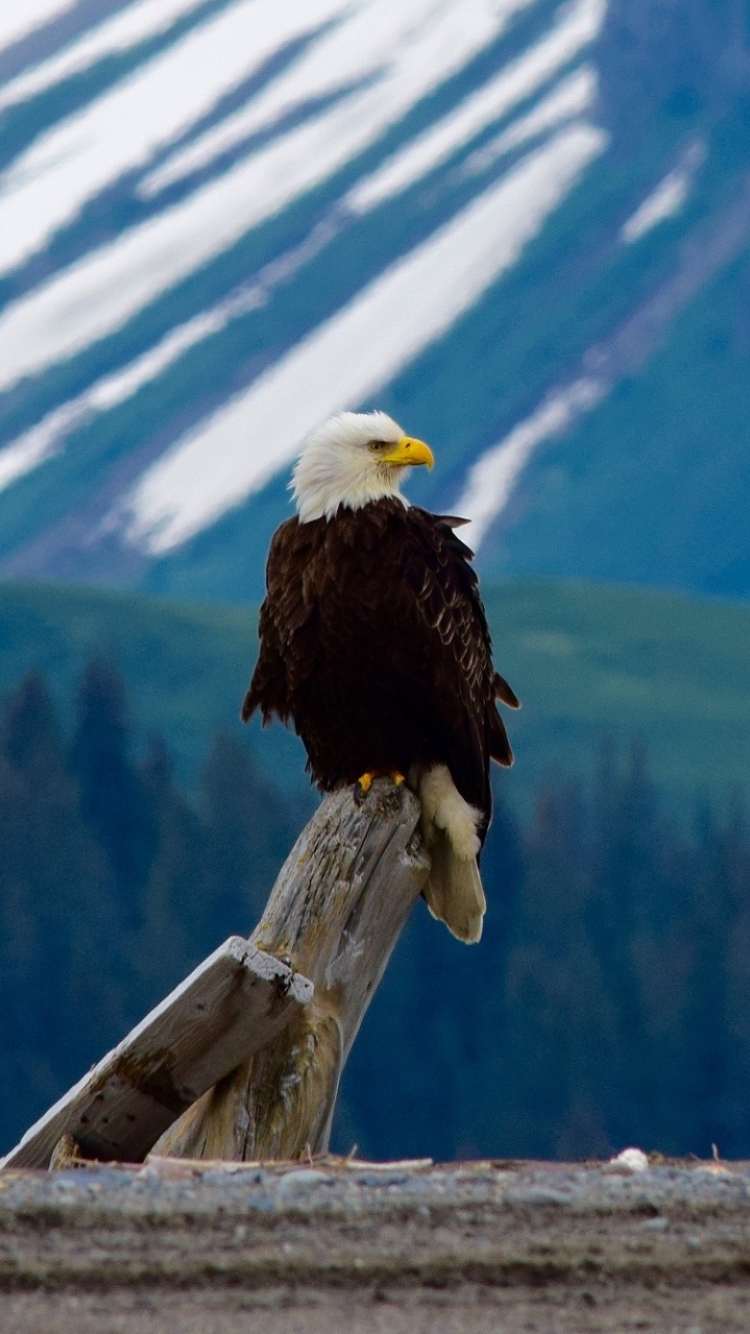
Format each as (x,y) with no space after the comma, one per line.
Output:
(583,658)
(186,667)
(592,658)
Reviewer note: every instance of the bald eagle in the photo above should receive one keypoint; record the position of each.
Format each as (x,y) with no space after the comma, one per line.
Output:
(375,646)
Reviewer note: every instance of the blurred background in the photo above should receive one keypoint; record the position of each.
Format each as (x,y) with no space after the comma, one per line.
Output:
(523,229)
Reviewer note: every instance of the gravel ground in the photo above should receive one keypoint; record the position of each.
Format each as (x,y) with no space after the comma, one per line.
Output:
(364,1248)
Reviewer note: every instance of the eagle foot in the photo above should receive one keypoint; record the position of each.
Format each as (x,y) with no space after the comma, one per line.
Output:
(366,780)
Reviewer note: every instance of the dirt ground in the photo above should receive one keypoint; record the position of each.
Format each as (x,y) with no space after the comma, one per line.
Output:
(365,1248)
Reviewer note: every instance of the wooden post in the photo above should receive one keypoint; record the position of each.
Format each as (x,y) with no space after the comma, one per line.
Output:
(271,1019)
(334,915)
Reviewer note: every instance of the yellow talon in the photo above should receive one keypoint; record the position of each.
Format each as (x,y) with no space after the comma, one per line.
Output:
(366,781)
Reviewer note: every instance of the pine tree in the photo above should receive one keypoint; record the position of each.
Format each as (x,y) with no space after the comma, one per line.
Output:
(247,835)
(643,926)
(559,1016)
(172,937)
(62,1005)
(113,798)
(440,1021)
(732,1129)
(719,1032)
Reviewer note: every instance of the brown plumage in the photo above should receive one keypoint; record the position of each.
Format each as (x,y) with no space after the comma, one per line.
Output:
(375,646)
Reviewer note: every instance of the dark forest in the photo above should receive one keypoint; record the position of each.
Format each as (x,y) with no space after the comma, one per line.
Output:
(607,1004)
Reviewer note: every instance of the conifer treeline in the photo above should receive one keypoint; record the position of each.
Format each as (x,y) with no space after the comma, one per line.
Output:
(112,884)
(609,1001)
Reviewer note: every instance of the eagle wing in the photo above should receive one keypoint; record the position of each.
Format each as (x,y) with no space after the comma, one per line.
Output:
(284,612)
(447,615)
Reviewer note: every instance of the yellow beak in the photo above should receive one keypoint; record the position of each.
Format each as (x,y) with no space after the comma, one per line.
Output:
(408,453)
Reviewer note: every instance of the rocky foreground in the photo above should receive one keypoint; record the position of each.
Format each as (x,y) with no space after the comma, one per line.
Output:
(357,1247)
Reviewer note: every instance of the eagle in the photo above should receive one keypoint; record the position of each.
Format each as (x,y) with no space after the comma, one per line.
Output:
(374,646)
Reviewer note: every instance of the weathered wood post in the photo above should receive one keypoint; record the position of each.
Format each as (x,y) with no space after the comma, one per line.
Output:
(271,1019)
(334,915)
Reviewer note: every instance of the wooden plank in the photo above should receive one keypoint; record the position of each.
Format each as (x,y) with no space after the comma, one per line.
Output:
(233,1004)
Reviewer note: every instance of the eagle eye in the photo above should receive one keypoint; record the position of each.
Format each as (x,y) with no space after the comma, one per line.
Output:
(377,446)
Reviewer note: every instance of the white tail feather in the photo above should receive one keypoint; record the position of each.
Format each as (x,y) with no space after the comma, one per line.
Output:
(454,890)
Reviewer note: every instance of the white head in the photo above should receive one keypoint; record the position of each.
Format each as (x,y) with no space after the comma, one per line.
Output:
(353,458)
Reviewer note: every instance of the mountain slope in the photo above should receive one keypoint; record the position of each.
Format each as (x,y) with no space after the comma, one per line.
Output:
(496,218)
(678,514)
(586,661)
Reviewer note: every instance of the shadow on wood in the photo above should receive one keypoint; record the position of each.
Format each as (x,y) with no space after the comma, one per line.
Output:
(335,914)
(271,1019)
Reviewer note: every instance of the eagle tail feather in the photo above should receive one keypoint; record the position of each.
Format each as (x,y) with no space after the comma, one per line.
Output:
(453,892)
(505,692)
(500,748)
(249,705)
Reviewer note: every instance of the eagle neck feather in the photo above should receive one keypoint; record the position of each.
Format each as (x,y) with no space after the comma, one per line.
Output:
(310,509)
(337,471)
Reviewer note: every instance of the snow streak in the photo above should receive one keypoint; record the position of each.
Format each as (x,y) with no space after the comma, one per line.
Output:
(101,292)
(313,85)
(569,99)
(356,352)
(665,201)
(492,479)
(48,185)
(669,197)
(18,18)
(124,30)
(575,28)
(385,41)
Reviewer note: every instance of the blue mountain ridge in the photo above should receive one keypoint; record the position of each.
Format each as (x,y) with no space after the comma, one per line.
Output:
(601,371)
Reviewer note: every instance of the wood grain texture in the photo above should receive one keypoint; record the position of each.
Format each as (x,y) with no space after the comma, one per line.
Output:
(334,915)
(235,1002)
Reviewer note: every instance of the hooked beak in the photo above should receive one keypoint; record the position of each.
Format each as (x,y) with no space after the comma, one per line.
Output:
(408,453)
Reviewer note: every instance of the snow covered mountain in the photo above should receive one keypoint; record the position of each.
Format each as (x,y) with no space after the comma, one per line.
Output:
(518,225)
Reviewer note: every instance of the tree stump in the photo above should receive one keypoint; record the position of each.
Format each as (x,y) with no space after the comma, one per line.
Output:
(334,915)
